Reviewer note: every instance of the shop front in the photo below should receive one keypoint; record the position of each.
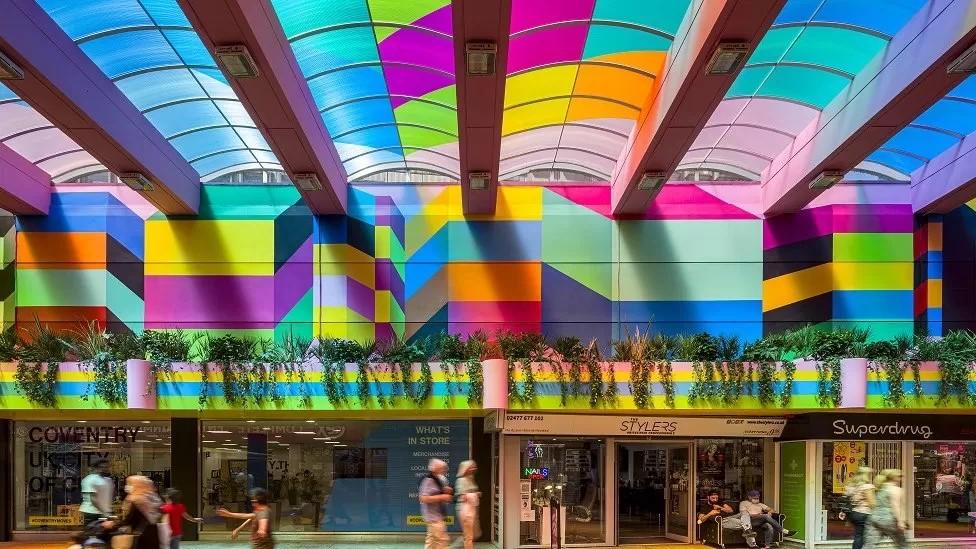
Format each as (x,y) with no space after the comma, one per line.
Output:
(625,480)
(936,454)
(334,476)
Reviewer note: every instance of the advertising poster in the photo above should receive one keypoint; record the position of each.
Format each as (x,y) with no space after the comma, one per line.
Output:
(792,485)
(848,457)
(375,486)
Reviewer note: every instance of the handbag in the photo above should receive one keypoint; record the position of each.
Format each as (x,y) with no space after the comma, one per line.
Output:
(123,541)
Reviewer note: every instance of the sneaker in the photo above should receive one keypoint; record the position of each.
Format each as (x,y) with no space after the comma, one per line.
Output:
(789,533)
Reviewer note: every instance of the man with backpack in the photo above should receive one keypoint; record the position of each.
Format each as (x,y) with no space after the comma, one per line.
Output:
(435,494)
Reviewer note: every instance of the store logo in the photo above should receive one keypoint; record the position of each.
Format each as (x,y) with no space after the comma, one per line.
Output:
(535,473)
(841,427)
(637,426)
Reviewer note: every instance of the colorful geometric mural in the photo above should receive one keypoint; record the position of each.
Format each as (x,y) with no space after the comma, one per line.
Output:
(928,274)
(959,268)
(406,261)
(850,264)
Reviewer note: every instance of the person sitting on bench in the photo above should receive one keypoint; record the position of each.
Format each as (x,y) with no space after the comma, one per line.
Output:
(756,514)
(712,506)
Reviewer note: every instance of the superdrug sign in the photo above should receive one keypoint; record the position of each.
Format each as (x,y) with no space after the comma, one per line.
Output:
(917,427)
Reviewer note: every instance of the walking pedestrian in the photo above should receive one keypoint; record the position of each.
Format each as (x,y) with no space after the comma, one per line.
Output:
(861,493)
(259,518)
(469,497)
(175,512)
(888,516)
(139,525)
(434,495)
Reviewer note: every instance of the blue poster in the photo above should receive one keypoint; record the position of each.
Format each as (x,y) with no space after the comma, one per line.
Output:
(375,485)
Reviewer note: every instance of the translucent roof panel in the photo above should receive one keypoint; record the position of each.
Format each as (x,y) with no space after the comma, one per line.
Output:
(382,74)
(579,72)
(943,126)
(151,52)
(809,56)
(33,137)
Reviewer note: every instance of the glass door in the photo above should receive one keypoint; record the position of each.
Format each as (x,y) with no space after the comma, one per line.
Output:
(678,493)
(571,470)
(641,478)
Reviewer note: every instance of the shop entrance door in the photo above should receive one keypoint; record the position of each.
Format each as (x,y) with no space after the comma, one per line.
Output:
(652,492)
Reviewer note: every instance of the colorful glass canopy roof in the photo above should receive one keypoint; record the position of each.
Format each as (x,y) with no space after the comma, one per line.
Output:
(151,52)
(579,72)
(33,137)
(809,56)
(382,74)
(941,127)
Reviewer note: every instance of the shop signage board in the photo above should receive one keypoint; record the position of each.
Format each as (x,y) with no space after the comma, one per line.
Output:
(641,426)
(526,513)
(792,486)
(915,427)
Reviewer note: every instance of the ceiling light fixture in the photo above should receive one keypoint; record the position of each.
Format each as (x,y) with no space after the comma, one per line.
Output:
(479,57)
(9,70)
(219,432)
(727,57)
(652,181)
(308,182)
(827,179)
(305,432)
(478,181)
(136,181)
(237,61)
(965,63)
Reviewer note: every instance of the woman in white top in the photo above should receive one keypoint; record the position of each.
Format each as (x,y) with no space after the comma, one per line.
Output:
(888,517)
(861,493)
(468,496)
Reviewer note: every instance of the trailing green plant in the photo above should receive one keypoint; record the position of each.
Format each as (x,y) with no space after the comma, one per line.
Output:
(923,349)
(635,348)
(477,348)
(888,358)
(105,366)
(570,351)
(765,353)
(610,390)
(40,356)
(333,354)
(401,356)
(292,356)
(702,351)
(163,349)
(233,356)
(957,353)
(730,369)
(661,349)
(521,350)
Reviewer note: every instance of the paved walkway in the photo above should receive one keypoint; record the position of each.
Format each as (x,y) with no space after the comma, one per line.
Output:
(306,545)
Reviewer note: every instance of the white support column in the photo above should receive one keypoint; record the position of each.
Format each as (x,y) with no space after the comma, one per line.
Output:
(814,493)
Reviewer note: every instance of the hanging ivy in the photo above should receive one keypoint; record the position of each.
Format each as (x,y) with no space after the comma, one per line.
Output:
(40,355)
(570,351)
(956,353)
(520,351)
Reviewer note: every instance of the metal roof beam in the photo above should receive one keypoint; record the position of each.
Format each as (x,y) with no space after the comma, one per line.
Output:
(683,98)
(278,98)
(25,189)
(903,81)
(480,99)
(65,86)
(947,181)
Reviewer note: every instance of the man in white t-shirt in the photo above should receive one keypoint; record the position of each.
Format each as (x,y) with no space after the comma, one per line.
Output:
(97,491)
(756,514)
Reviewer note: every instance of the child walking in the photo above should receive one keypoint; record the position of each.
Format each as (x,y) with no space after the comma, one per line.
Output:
(175,512)
(260,520)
